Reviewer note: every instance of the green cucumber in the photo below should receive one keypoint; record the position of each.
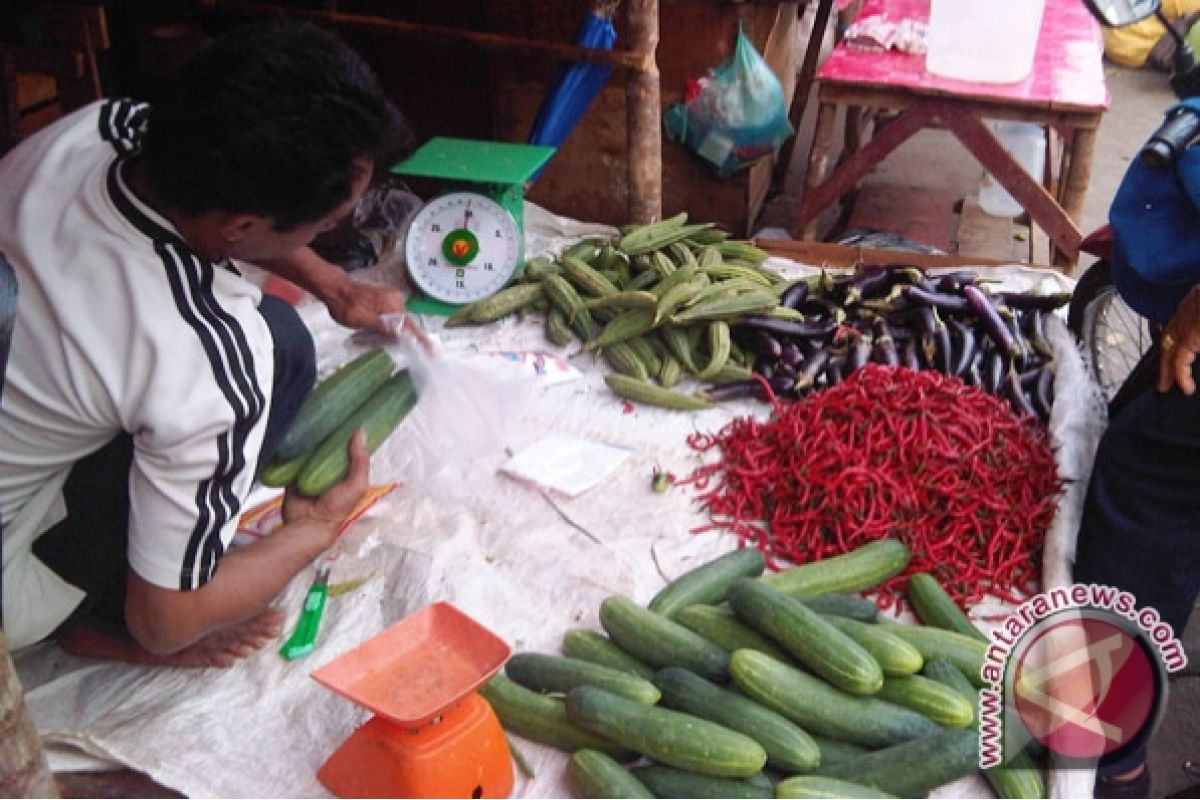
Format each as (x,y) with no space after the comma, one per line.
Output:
(708,582)
(593,774)
(895,656)
(668,782)
(659,641)
(332,401)
(721,626)
(594,646)
(1019,777)
(937,608)
(819,787)
(542,719)
(962,651)
(278,474)
(788,747)
(379,415)
(861,568)
(805,634)
(560,674)
(669,737)
(825,710)
(835,752)
(940,703)
(837,604)
(914,768)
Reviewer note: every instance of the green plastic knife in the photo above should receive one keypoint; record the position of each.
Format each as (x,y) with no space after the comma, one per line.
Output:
(304,636)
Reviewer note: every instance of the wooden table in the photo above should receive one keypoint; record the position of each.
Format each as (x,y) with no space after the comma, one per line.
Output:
(1065,93)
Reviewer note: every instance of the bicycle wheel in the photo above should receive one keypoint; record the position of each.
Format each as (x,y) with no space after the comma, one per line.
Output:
(1114,336)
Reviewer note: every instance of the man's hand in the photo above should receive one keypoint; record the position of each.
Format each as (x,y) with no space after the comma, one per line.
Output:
(338,503)
(361,305)
(1179,344)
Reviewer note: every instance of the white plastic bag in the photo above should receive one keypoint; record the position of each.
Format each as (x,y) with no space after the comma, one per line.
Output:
(465,403)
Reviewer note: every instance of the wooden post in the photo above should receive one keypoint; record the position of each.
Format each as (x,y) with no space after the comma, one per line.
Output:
(23,768)
(643,109)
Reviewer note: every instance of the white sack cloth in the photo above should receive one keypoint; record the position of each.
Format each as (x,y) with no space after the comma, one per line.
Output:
(526,564)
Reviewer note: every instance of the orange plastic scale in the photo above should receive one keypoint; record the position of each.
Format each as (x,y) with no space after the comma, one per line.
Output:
(432,735)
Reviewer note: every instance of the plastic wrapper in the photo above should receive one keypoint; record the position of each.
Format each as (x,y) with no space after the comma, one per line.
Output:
(878,34)
(466,401)
(370,233)
(734,115)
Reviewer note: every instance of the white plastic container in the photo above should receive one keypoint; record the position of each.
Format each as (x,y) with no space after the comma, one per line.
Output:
(991,41)
(1027,144)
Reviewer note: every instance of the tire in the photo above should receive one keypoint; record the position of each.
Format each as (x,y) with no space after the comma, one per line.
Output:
(1113,336)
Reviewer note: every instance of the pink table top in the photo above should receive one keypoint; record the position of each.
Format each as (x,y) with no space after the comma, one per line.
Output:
(1068,73)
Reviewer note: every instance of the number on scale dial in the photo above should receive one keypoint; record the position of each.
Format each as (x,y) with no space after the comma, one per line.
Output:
(462,247)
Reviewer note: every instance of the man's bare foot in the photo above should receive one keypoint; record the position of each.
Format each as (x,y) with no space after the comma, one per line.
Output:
(222,648)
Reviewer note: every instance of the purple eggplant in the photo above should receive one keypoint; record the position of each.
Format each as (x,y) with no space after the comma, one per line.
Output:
(1024,354)
(993,323)
(993,372)
(1032,300)
(736,390)
(1016,395)
(1043,393)
(868,280)
(814,365)
(783,384)
(952,282)
(791,354)
(974,375)
(788,327)
(883,350)
(835,370)
(859,352)
(1035,332)
(794,295)
(909,354)
(967,347)
(766,345)
(947,302)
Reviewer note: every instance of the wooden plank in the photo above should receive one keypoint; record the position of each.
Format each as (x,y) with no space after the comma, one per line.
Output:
(925,215)
(1027,191)
(803,87)
(838,255)
(822,190)
(643,105)
(898,100)
(629,60)
(981,234)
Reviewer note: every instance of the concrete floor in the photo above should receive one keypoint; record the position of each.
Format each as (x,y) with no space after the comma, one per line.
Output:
(936,160)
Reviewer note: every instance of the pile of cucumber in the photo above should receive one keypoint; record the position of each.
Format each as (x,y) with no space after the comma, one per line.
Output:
(366,392)
(738,685)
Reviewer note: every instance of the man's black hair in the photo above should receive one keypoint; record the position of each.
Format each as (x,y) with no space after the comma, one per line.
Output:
(268,120)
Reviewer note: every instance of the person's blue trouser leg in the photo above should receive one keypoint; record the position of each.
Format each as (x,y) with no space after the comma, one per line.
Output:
(1140,529)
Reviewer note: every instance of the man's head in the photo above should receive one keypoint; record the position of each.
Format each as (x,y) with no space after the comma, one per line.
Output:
(280,125)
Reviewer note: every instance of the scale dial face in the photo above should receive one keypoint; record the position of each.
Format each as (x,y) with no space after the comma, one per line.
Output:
(462,247)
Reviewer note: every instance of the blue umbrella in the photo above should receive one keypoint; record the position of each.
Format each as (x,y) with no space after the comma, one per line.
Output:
(576,85)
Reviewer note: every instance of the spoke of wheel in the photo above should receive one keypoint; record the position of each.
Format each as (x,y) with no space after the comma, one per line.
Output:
(1119,338)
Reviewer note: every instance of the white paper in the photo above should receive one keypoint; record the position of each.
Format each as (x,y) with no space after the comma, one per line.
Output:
(566,464)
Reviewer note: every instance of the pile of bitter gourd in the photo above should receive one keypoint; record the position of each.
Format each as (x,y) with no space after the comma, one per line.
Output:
(656,303)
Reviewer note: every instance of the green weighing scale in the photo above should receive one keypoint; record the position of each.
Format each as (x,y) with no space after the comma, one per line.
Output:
(466,243)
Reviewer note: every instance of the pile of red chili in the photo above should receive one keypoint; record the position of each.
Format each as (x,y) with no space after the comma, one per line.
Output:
(891,452)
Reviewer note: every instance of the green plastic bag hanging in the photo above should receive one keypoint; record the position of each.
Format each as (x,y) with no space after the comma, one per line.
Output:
(734,115)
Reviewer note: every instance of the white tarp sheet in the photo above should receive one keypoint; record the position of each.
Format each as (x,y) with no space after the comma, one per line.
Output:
(526,564)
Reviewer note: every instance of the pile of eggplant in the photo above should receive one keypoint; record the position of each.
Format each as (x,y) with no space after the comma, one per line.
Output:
(900,316)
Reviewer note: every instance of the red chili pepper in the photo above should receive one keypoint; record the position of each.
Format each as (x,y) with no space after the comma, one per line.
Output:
(945,467)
